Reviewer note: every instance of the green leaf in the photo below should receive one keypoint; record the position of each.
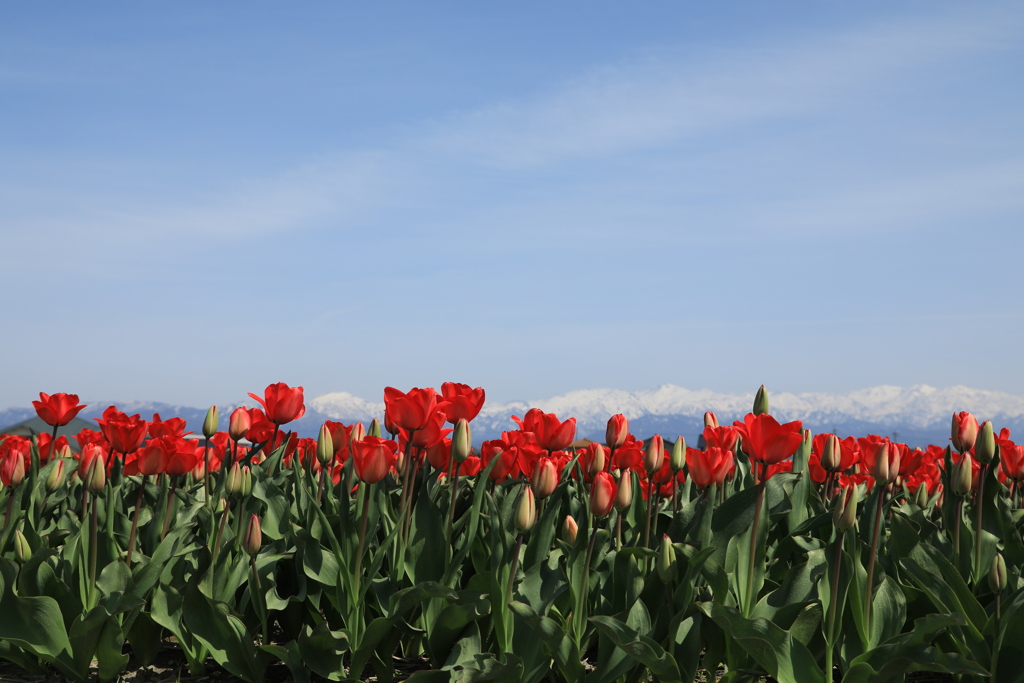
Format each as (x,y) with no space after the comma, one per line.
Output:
(223,634)
(450,623)
(507,669)
(34,624)
(323,650)
(290,655)
(423,562)
(641,648)
(557,642)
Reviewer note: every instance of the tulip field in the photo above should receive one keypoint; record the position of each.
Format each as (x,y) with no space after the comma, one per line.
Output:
(399,551)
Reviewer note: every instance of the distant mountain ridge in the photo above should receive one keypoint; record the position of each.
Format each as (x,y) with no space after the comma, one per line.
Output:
(917,415)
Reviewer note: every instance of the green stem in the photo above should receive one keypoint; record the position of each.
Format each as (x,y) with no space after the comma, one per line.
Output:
(871,558)
(979,504)
(749,597)
(320,486)
(257,601)
(220,530)
(453,475)
(582,602)
(93,522)
(832,609)
(167,510)
(135,523)
(362,538)
(514,569)
(956,531)
(7,518)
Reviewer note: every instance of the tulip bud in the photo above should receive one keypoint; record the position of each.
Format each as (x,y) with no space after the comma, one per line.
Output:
(526,511)
(358,433)
(63,452)
(246,482)
(964,431)
(96,477)
(545,478)
(985,446)
(374,429)
(655,454)
(617,431)
(844,515)
(963,475)
(678,459)
(569,530)
(602,494)
(921,496)
(239,423)
(997,574)
(761,401)
(599,461)
(666,563)
(624,496)
(831,454)
(56,477)
(883,474)
(324,445)
(462,441)
(252,539)
(710,420)
(17,474)
(212,422)
(233,482)
(23,551)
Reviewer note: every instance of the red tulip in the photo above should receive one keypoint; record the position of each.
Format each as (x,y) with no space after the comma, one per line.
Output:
(545,478)
(552,433)
(151,458)
(464,403)
(238,425)
(90,436)
(766,441)
(413,410)
(721,437)
(430,434)
(964,431)
(48,448)
(602,494)
(89,453)
(172,427)
(709,466)
(260,428)
(282,403)
(12,461)
(124,433)
(57,410)
(870,447)
(439,455)
(654,456)
(616,432)
(373,457)
(507,455)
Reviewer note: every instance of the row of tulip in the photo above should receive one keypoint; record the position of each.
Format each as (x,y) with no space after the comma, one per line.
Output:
(764,550)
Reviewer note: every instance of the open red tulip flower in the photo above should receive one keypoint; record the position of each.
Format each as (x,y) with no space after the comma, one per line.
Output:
(124,433)
(373,457)
(282,403)
(172,427)
(413,410)
(552,433)
(766,441)
(1011,459)
(709,466)
(721,437)
(57,410)
(463,402)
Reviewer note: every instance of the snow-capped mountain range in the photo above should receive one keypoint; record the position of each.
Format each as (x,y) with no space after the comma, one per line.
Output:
(917,415)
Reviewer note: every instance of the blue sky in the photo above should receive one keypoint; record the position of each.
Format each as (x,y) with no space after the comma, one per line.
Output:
(199,199)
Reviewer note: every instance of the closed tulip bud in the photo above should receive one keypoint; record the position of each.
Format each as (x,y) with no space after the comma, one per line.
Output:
(599,461)
(462,441)
(63,452)
(831,454)
(324,445)
(710,420)
(882,471)
(678,459)
(964,431)
(212,422)
(56,477)
(655,454)
(246,482)
(526,511)
(761,401)
(252,539)
(617,431)
(602,494)
(963,475)
(23,551)
(997,574)
(844,515)
(921,496)
(666,563)
(96,477)
(233,482)
(985,446)
(545,478)
(569,530)
(374,429)
(358,433)
(624,496)
(239,423)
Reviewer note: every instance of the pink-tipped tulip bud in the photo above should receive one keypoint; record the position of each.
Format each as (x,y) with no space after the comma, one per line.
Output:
(545,478)
(358,433)
(963,475)
(212,422)
(239,423)
(964,431)
(678,459)
(985,445)
(844,515)
(56,477)
(252,540)
(462,442)
(831,454)
(23,551)
(199,471)
(600,459)
(997,574)
(602,494)
(624,496)
(324,445)
(666,562)
(63,452)
(96,477)
(761,402)
(883,474)
(374,428)
(655,454)
(526,511)
(233,482)
(710,420)
(569,530)
(617,431)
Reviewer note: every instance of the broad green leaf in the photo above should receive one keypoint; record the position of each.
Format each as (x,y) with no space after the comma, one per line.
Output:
(557,642)
(223,634)
(641,648)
